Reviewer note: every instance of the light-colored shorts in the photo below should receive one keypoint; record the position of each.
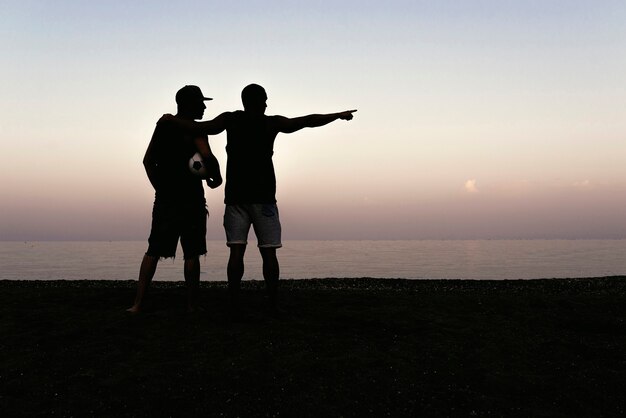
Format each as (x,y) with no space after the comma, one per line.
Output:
(263,217)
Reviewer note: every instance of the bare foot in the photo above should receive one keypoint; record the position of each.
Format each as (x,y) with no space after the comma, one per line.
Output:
(135,309)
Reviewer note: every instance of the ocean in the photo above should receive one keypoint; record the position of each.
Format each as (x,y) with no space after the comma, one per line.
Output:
(445,259)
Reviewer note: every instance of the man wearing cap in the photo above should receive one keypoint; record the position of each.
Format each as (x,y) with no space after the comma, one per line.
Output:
(179,210)
(251,182)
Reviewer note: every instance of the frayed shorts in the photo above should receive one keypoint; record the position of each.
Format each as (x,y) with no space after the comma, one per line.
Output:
(263,217)
(171,222)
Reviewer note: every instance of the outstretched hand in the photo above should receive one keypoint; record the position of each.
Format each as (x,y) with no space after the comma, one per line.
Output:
(347,115)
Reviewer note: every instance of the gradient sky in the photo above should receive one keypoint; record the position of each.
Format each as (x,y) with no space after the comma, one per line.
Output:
(476,119)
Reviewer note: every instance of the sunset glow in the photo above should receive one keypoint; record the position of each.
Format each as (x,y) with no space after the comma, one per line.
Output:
(482,119)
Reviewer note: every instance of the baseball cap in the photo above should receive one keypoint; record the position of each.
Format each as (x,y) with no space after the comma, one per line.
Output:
(189,94)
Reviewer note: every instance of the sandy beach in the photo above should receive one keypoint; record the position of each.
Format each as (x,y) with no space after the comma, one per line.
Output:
(348,347)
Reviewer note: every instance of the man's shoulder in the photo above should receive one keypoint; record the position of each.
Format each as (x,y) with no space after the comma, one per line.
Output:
(242,114)
(273,118)
(165,126)
(235,114)
(275,122)
(229,117)
(166,131)
(239,119)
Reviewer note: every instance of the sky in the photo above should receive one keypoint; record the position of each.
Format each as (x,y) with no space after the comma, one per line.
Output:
(482,119)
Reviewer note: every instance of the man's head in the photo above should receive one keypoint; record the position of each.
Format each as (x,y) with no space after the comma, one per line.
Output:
(190,101)
(254,99)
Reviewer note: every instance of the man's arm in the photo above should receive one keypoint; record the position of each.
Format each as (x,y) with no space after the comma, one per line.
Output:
(214,177)
(209,127)
(289,125)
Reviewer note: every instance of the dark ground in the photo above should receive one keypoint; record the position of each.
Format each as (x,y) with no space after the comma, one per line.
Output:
(349,347)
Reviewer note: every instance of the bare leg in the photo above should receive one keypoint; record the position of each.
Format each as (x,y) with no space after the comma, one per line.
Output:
(235,273)
(271,272)
(192,279)
(146,273)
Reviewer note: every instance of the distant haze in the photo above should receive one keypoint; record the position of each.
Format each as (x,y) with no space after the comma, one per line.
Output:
(481,119)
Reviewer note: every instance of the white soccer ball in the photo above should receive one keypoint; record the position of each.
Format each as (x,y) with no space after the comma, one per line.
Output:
(196,166)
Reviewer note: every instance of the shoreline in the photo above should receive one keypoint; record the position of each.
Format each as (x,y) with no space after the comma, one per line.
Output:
(350,283)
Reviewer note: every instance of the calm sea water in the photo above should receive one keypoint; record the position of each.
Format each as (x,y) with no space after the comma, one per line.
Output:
(488,259)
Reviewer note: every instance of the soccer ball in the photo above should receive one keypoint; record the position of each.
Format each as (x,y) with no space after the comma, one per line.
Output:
(196,166)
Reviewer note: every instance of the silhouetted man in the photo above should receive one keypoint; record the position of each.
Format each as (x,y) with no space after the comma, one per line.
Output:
(251,183)
(179,209)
